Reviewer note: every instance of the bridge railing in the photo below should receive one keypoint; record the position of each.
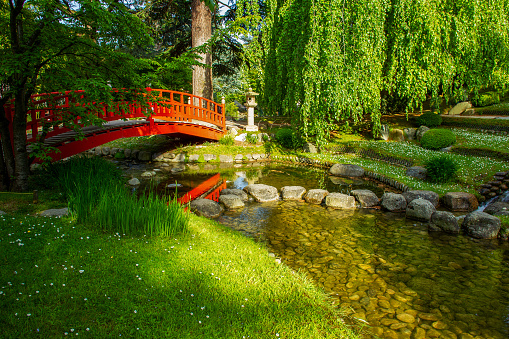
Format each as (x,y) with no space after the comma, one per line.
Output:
(52,109)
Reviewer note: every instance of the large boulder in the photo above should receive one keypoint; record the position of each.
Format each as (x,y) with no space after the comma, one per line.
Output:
(460,201)
(481,225)
(420,132)
(206,208)
(431,196)
(262,193)
(393,202)
(315,196)
(420,209)
(339,200)
(444,221)
(235,191)
(496,208)
(418,172)
(460,108)
(366,198)
(231,201)
(310,148)
(347,170)
(292,192)
(396,135)
(409,133)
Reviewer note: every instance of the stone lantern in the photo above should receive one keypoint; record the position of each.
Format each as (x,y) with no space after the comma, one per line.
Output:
(251,104)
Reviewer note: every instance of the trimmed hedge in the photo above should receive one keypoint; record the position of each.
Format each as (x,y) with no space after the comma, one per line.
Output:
(429,119)
(438,138)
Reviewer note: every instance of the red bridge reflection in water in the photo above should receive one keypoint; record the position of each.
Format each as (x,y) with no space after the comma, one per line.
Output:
(208,189)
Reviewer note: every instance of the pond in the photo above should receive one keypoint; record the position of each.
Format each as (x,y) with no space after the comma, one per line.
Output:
(381,269)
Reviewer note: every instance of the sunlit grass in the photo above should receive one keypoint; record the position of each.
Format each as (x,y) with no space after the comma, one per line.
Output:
(478,140)
(60,279)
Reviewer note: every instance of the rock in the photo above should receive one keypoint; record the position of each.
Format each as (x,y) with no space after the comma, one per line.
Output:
(98,151)
(225,158)
(232,131)
(134,153)
(496,207)
(419,333)
(396,135)
(263,136)
(430,196)
(347,170)
(55,212)
(206,208)
(481,225)
(241,137)
(256,156)
(393,202)
(35,167)
(409,133)
(234,191)
(114,151)
(105,151)
(428,316)
(315,196)
(406,318)
(310,148)
(2,213)
(194,158)
(420,209)
(384,133)
(460,108)
(460,201)
(366,198)
(178,169)
(231,201)
(292,192)
(144,156)
(134,182)
(209,157)
(127,153)
(339,200)
(418,172)
(262,193)
(445,221)
(178,158)
(239,158)
(148,174)
(470,111)
(420,132)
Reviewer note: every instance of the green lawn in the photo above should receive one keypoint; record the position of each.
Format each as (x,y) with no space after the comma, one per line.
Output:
(59,278)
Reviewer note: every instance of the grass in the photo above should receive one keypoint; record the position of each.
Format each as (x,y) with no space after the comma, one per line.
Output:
(218,149)
(478,140)
(59,278)
(503,106)
(144,143)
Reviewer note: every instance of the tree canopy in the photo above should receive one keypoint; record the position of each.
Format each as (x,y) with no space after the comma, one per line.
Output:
(324,61)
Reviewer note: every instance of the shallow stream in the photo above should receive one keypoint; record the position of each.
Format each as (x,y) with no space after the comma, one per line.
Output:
(382,269)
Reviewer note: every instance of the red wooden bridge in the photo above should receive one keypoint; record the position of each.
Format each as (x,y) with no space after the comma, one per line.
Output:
(171,112)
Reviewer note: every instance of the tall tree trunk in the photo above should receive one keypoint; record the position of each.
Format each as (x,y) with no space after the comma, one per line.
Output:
(4,177)
(201,29)
(8,164)
(22,169)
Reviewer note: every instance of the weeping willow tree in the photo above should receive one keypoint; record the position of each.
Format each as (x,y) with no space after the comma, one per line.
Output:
(324,61)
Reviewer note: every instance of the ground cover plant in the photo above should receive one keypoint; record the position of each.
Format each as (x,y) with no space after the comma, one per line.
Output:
(59,278)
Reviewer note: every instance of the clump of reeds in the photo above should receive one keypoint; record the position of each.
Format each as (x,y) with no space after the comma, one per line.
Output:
(97,196)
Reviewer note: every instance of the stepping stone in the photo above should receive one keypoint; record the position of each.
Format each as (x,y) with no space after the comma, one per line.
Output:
(292,192)
(231,201)
(55,212)
(206,208)
(315,196)
(240,193)
(340,200)
(393,202)
(347,170)
(262,193)
(366,198)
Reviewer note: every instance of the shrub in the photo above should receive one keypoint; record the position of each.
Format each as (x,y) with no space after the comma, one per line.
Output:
(438,138)
(486,99)
(252,138)
(441,169)
(287,138)
(227,140)
(429,119)
(232,110)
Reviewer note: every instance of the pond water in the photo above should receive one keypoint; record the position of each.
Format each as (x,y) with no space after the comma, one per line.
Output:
(380,268)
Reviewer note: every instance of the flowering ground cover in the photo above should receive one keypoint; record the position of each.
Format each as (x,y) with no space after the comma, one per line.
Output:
(59,278)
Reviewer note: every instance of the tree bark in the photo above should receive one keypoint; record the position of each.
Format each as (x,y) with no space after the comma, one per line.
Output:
(19,123)
(8,164)
(201,32)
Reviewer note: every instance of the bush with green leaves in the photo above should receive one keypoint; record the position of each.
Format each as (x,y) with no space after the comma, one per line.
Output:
(227,140)
(486,99)
(429,119)
(252,138)
(441,169)
(438,138)
(232,110)
(287,138)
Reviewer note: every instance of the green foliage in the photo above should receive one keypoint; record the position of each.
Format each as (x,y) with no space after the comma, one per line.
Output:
(252,138)
(429,119)
(227,140)
(287,138)
(119,155)
(232,110)
(486,99)
(441,169)
(436,139)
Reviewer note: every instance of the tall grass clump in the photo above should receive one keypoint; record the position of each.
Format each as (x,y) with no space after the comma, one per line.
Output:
(441,169)
(97,196)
